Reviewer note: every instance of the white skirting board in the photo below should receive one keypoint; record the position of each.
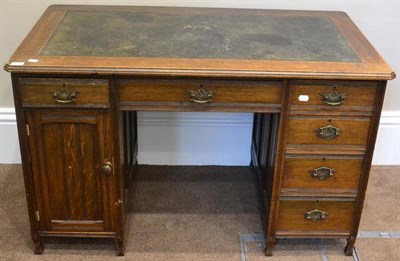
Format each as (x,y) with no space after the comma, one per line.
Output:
(9,145)
(201,138)
(387,147)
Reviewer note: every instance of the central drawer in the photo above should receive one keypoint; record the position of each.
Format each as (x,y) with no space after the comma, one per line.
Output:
(229,95)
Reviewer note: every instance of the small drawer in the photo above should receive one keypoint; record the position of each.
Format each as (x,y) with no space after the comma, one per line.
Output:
(322,172)
(64,92)
(315,216)
(205,93)
(334,95)
(327,130)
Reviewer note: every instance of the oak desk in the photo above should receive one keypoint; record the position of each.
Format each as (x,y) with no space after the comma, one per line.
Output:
(312,80)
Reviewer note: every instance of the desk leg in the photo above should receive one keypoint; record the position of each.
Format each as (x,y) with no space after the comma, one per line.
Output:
(117,131)
(275,168)
(38,245)
(348,250)
(120,246)
(269,246)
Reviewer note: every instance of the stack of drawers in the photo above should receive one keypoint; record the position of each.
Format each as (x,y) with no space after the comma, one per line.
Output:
(326,136)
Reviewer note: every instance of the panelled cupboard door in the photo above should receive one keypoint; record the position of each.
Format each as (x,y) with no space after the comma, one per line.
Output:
(68,150)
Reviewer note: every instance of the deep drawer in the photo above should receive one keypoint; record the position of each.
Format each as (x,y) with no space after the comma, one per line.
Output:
(308,217)
(64,92)
(327,130)
(322,173)
(204,93)
(334,95)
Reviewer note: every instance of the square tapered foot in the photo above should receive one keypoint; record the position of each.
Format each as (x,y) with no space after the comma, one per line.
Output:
(269,247)
(348,250)
(120,247)
(38,247)
(268,252)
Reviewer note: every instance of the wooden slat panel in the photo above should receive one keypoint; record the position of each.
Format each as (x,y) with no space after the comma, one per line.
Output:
(73,171)
(54,172)
(90,172)
(76,194)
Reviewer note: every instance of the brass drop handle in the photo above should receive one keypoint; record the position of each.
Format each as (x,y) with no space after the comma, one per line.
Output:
(201,95)
(322,173)
(64,95)
(315,215)
(107,167)
(333,98)
(328,132)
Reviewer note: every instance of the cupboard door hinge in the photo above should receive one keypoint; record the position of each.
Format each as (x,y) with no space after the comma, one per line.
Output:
(27,130)
(37,215)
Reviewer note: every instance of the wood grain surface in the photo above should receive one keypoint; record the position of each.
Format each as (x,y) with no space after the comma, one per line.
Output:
(341,53)
(347,171)
(121,60)
(67,150)
(38,92)
(339,219)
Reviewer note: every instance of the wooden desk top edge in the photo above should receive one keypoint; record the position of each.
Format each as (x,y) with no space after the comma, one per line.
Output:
(371,67)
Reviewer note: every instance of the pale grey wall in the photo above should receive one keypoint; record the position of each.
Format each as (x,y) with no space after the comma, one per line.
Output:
(378,20)
(229,142)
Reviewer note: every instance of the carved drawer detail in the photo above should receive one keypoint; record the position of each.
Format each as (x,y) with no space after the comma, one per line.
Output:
(219,95)
(328,130)
(322,172)
(64,92)
(313,216)
(334,95)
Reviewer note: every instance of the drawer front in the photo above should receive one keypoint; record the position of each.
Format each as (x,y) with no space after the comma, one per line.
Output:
(223,92)
(327,130)
(334,94)
(293,216)
(322,173)
(52,92)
